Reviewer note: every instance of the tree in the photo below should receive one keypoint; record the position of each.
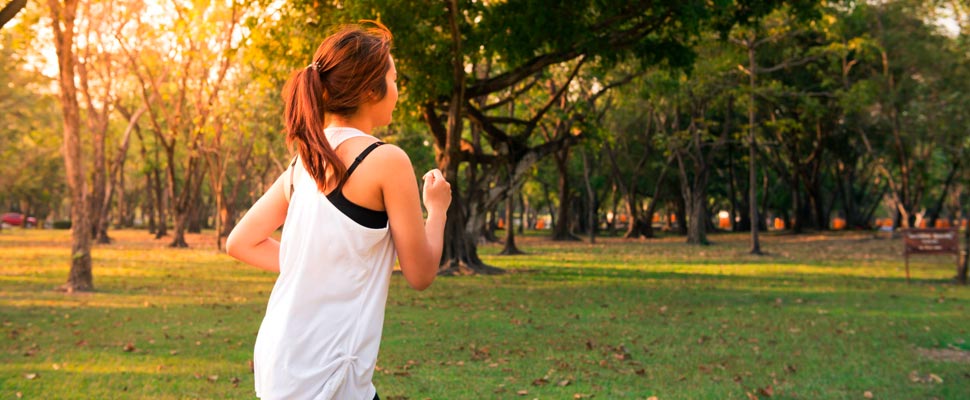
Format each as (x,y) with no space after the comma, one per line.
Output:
(634,147)
(698,146)
(80,277)
(909,102)
(750,38)
(205,49)
(545,36)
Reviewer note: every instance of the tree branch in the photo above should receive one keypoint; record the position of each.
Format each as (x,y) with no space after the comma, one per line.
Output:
(10,10)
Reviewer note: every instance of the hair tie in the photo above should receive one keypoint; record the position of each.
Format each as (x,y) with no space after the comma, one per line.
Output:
(314,66)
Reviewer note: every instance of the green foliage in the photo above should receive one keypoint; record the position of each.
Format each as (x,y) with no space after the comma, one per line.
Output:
(31,173)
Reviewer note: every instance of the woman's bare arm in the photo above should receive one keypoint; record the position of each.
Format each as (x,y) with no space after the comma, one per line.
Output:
(250,240)
(418,243)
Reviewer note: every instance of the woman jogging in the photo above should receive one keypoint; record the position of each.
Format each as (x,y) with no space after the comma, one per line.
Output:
(348,205)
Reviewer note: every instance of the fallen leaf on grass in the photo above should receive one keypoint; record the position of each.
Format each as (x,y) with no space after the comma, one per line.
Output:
(581,396)
(653,398)
(868,395)
(916,377)
(129,347)
(540,382)
(31,376)
(212,378)
(563,383)
(522,392)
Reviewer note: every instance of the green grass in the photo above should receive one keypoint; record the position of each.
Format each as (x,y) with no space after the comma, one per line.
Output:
(822,316)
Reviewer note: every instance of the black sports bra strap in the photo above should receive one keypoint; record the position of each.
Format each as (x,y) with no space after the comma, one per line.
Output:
(360,158)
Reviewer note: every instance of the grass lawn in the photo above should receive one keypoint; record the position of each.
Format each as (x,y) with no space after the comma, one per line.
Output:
(822,316)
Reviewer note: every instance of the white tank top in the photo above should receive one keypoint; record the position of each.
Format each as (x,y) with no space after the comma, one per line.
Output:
(322,329)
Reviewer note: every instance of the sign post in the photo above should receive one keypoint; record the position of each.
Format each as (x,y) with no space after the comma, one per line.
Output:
(930,241)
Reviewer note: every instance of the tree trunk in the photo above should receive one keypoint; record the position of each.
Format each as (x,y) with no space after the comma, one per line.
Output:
(935,213)
(488,232)
(962,267)
(694,194)
(510,248)
(124,209)
(98,127)
(762,222)
(459,255)
(115,176)
(796,224)
(163,199)
(732,190)
(548,197)
(149,208)
(198,216)
(680,213)
(752,153)
(590,199)
(188,201)
(561,231)
(697,226)
(638,223)
(613,211)
(80,277)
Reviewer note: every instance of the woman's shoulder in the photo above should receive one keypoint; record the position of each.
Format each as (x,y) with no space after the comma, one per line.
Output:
(392,156)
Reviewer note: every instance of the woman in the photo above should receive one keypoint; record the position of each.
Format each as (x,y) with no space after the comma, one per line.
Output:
(349,204)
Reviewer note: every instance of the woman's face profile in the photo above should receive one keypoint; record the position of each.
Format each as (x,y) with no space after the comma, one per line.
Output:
(384,108)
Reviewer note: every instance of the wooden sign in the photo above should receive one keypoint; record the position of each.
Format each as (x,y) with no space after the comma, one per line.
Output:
(930,241)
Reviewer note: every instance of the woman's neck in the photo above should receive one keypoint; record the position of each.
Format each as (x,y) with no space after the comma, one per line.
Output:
(358,123)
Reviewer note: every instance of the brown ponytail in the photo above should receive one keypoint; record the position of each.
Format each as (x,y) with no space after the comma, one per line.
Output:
(348,69)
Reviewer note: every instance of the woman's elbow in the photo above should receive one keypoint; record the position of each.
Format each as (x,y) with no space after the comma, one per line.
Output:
(232,246)
(422,282)
(420,286)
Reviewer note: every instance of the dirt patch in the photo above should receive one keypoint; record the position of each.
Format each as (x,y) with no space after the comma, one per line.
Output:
(947,355)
